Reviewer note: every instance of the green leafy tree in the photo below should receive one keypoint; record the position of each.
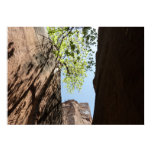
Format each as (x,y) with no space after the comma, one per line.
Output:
(73,52)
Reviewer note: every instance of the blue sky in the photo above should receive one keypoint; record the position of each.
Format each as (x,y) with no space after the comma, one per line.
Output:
(86,94)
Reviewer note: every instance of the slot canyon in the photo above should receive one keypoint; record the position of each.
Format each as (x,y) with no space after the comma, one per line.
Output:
(34,82)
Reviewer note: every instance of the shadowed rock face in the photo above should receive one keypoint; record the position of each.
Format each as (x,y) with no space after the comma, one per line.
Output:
(75,113)
(34,93)
(119,78)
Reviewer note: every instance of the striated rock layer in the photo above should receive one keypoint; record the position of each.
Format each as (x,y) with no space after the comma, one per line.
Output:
(119,78)
(34,93)
(75,113)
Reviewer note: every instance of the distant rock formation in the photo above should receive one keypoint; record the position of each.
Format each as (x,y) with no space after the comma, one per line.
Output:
(119,78)
(74,113)
(34,90)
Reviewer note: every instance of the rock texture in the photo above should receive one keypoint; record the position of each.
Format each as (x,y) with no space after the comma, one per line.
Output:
(119,78)
(34,93)
(75,113)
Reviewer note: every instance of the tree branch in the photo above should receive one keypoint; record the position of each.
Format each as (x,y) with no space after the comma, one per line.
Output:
(65,36)
(61,35)
(50,41)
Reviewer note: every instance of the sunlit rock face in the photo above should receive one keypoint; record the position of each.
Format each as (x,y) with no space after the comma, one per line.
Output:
(34,93)
(119,77)
(74,113)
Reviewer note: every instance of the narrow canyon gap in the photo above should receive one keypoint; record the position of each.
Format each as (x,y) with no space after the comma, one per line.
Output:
(34,88)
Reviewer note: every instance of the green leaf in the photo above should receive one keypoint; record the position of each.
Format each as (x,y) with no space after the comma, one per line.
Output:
(74,53)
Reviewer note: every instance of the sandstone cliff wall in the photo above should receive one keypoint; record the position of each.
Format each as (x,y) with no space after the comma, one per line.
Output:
(34,93)
(119,78)
(75,113)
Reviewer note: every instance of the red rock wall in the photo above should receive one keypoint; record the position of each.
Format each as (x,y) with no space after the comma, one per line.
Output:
(119,78)
(74,113)
(34,93)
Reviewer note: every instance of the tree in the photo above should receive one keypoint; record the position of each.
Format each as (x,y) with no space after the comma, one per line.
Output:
(73,52)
